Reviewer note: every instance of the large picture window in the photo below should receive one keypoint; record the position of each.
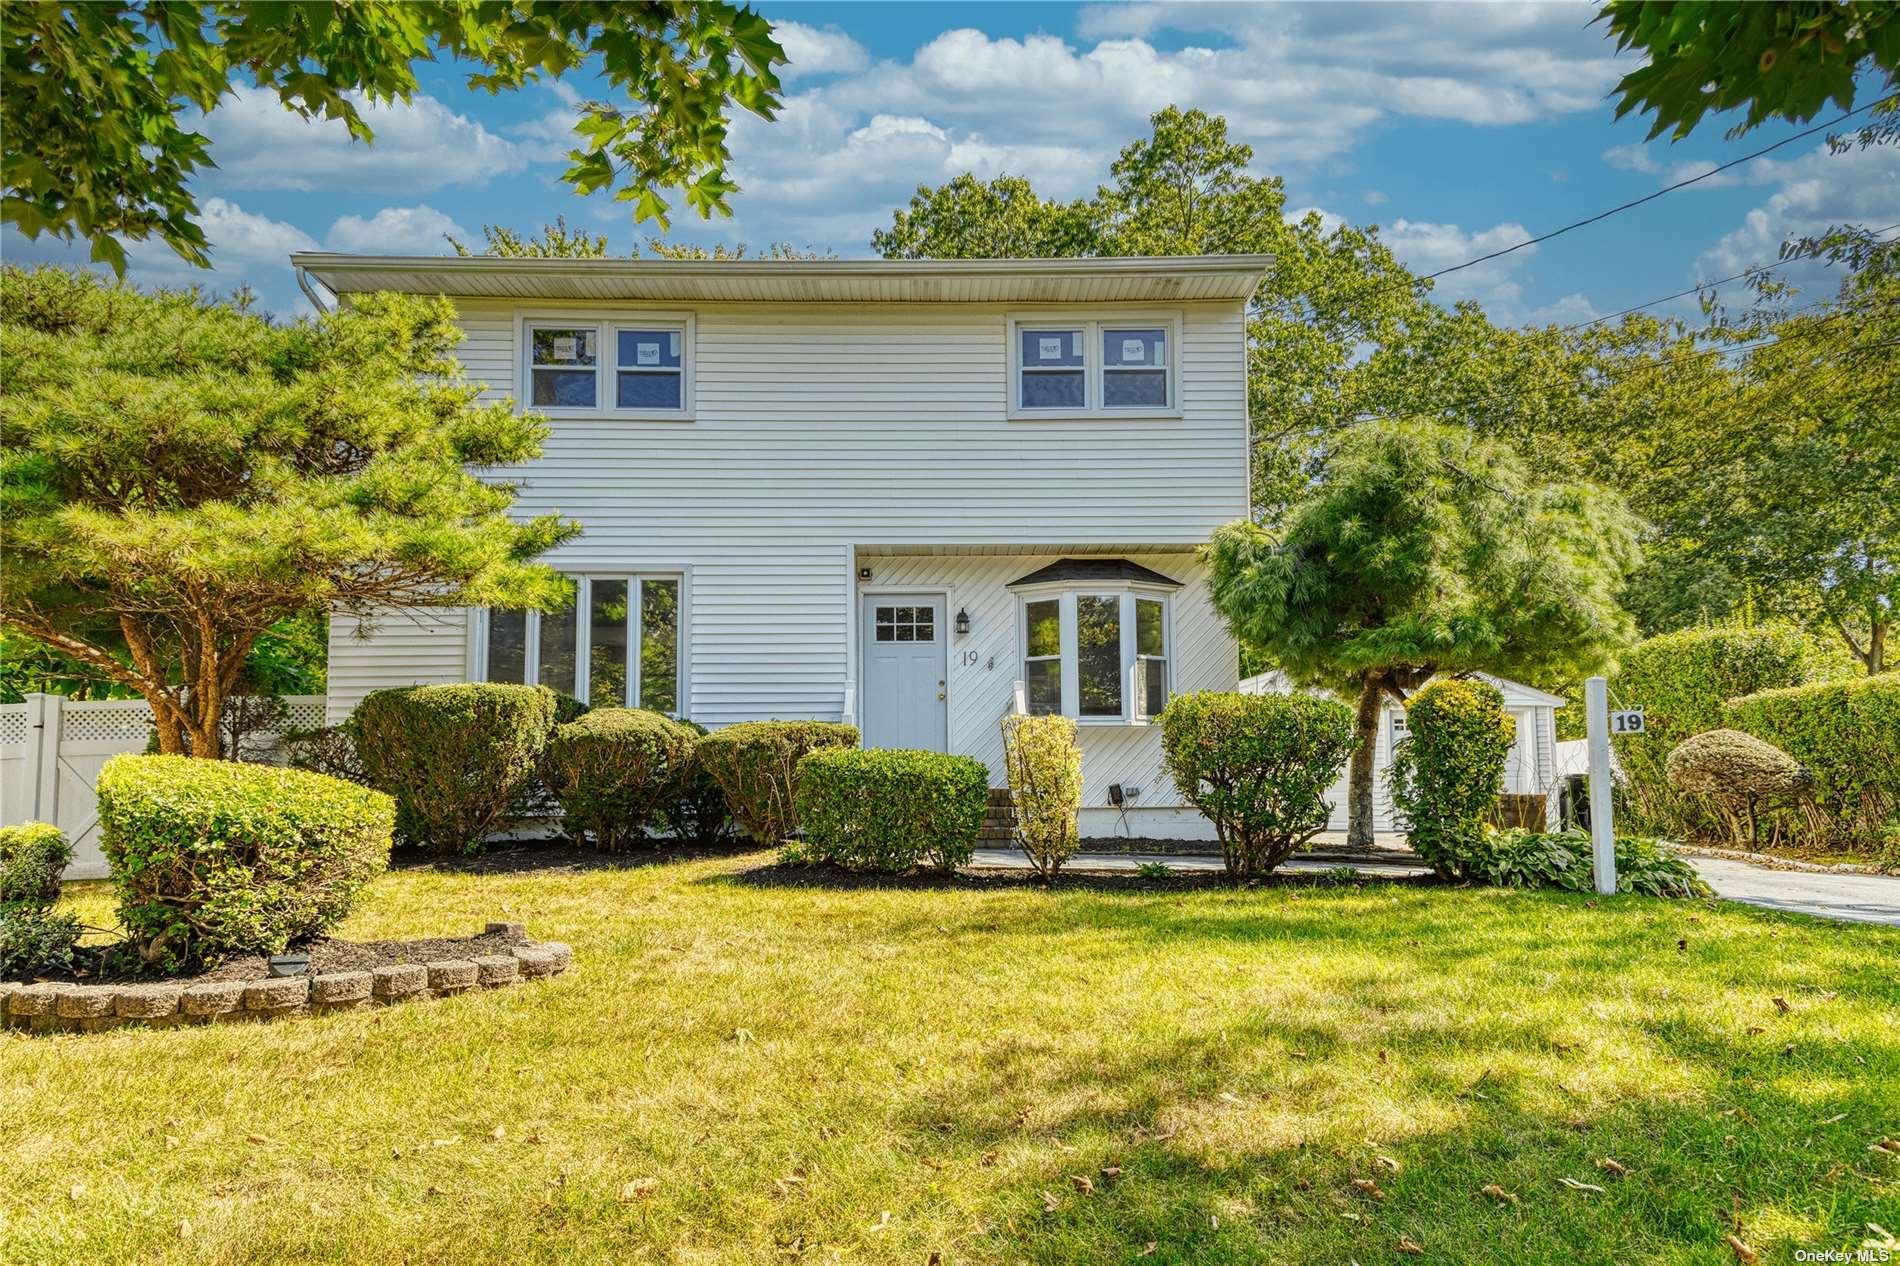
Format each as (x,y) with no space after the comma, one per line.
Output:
(589,648)
(1097,656)
(610,368)
(1093,368)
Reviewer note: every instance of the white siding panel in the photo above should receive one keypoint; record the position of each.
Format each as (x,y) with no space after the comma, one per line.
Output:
(395,648)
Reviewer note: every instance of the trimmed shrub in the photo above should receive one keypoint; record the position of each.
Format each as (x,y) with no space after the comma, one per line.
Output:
(1044,768)
(698,809)
(33,939)
(617,768)
(1741,776)
(216,858)
(1446,771)
(756,764)
(1516,858)
(32,857)
(1681,681)
(891,811)
(1259,767)
(328,749)
(457,759)
(1847,735)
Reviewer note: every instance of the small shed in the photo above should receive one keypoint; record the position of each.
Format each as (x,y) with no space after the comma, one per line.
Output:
(1530,770)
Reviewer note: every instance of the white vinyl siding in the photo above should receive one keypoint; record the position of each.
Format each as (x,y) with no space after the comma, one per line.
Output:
(822,427)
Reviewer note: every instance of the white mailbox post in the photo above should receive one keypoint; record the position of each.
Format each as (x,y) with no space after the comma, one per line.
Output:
(1596,706)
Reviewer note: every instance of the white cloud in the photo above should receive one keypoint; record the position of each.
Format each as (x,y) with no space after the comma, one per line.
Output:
(1812,192)
(418,230)
(1642,158)
(1375,199)
(811,51)
(419,147)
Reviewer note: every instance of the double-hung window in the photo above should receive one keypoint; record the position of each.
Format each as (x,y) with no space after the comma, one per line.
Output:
(640,367)
(617,644)
(1102,368)
(1096,653)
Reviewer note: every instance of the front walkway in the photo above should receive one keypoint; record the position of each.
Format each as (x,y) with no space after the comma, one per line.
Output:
(1014,859)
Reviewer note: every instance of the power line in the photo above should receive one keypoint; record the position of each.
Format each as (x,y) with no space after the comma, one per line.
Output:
(1651,197)
(1723,281)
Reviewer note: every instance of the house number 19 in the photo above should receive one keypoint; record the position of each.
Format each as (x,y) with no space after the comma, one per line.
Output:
(968,658)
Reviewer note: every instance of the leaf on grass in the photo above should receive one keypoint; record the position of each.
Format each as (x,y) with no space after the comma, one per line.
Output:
(171,1141)
(1297,1054)
(1082,1183)
(1755,1030)
(883,1222)
(78,1192)
(499,1133)
(1742,1251)
(438,1191)
(1388,1162)
(1111,1172)
(1496,1192)
(1407,1244)
(1839,1116)
(987,1159)
(1610,1165)
(1574,1185)
(935,1258)
(1050,1202)
(536,1138)
(184,1229)
(1146,1249)
(638,1189)
(1232,1098)
(255,1138)
(929,1162)
(1369,1187)
(1781,1005)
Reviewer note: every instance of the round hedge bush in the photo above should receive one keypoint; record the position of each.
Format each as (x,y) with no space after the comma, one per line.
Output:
(756,764)
(616,770)
(891,810)
(215,858)
(1447,771)
(34,938)
(1259,767)
(458,759)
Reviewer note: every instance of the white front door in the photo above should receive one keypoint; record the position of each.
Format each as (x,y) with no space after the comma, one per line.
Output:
(902,699)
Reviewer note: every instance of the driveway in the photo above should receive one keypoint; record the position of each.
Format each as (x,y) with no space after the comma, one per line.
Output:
(1852,898)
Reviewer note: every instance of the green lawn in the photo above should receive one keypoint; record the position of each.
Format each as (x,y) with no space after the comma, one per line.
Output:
(744,1070)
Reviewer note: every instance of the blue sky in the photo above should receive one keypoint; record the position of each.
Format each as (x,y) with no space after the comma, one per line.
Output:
(1456,128)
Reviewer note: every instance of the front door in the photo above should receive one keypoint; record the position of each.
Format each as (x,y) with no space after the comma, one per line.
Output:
(904,671)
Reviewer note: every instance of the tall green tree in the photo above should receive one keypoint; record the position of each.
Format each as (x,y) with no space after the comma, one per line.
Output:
(557,241)
(100,96)
(1776,61)
(178,477)
(1421,550)
(966,218)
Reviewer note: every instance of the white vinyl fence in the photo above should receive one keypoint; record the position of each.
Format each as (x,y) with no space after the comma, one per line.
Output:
(51,750)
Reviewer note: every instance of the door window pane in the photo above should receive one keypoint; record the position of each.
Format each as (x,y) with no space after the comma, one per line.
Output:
(660,645)
(1154,686)
(1045,627)
(507,645)
(607,644)
(1151,650)
(557,649)
(1098,654)
(1150,628)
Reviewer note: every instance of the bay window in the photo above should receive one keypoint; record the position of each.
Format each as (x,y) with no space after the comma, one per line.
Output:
(1096,652)
(600,366)
(616,644)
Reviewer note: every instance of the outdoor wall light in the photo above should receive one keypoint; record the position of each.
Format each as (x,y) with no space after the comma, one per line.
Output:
(288,964)
(963,621)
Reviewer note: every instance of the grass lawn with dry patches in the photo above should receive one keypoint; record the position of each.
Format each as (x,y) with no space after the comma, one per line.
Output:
(745,1069)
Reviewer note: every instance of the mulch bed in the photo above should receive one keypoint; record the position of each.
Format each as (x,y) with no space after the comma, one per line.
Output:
(326,955)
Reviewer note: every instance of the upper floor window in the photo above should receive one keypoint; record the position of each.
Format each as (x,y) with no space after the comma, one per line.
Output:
(1104,368)
(610,368)
(617,644)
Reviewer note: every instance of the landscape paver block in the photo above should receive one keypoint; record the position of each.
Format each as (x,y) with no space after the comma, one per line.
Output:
(398,980)
(535,960)
(452,973)
(147,1002)
(563,954)
(340,986)
(84,1002)
(33,1000)
(277,993)
(212,997)
(497,969)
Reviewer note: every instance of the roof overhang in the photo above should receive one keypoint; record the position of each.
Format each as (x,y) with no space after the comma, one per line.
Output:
(1158,279)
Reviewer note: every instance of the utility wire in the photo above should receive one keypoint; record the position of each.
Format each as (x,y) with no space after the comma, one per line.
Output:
(1723,281)
(1651,197)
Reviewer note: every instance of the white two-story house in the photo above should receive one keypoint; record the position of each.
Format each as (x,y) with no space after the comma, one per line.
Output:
(909,495)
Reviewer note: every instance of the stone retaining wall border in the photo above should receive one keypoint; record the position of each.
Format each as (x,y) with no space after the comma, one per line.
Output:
(73,1008)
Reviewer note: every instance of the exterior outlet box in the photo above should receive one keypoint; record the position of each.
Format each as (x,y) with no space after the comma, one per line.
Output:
(1120,794)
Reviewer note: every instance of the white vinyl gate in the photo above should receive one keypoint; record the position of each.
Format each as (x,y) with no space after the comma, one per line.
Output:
(51,751)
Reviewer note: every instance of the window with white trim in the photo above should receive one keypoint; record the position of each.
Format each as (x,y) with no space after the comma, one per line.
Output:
(1107,368)
(1098,654)
(632,368)
(617,644)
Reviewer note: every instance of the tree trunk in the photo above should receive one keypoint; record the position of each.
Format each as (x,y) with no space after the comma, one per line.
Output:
(1877,649)
(1359,787)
